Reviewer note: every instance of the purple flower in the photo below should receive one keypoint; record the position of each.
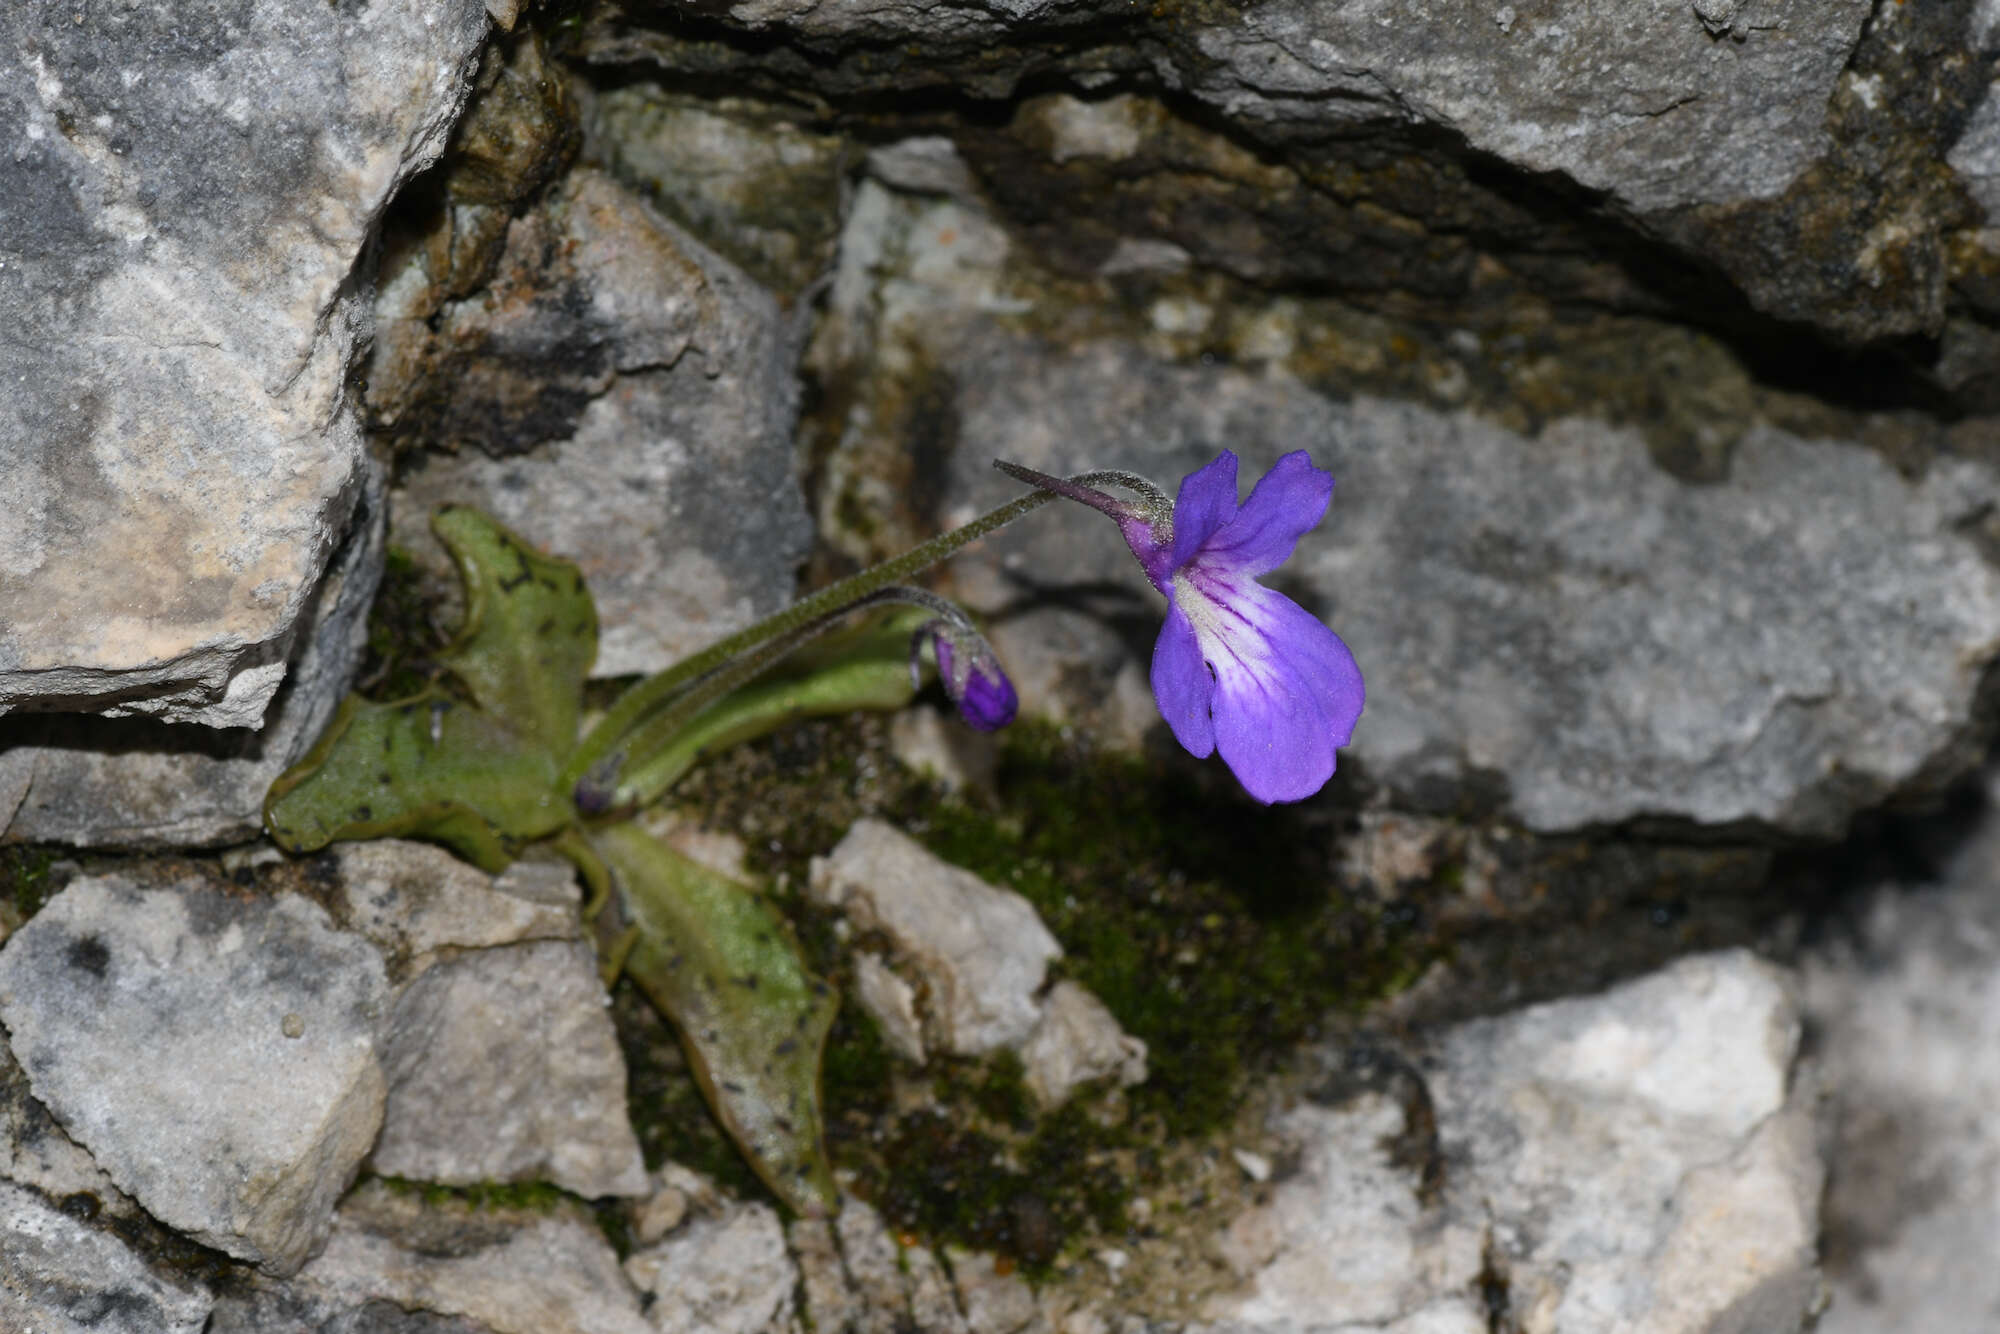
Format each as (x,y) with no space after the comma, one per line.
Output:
(971,675)
(1238,668)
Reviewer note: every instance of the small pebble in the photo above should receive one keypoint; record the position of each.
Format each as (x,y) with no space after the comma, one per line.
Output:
(1255,1165)
(293,1026)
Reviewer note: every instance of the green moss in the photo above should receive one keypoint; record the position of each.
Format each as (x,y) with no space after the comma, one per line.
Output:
(402,638)
(1204,921)
(25,881)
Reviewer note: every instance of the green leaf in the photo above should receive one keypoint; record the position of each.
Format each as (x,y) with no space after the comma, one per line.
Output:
(720,962)
(530,631)
(431,767)
(864,668)
(480,778)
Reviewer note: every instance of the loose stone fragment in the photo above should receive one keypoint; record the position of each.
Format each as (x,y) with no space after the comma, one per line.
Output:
(982,951)
(728,1274)
(502,1065)
(1075,1041)
(149,1020)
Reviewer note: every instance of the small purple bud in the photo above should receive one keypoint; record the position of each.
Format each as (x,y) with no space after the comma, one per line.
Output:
(984,695)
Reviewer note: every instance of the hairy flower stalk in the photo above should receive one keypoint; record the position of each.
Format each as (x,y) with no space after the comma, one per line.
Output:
(602,772)
(1238,668)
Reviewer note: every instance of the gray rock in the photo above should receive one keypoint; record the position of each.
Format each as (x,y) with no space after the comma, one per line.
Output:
(60,1276)
(1555,617)
(142,783)
(415,900)
(982,952)
(494,1271)
(895,1287)
(660,458)
(214,1053)
(187,197)
(1657,114)
(750,182)
(1904,1001)
(1076,1041)
(35,1152)
(1644,104)
(503,1066)
(1640,1160)
(727,1274)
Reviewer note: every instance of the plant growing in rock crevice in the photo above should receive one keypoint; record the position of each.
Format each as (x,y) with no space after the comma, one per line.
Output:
(496,765)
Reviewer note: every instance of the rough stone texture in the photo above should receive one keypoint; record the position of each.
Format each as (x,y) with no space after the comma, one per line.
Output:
(650,384)
(1554,617)
(982,951)
(503,1066)
(1904,1000)
(1641,1160)
(187,196)
(1660,114)
(490,1271)
(154,1022)
(141,783)
(896,1287)
(60,1276)
(728,1274)
(35,1152)
(1075,1041)
(415,899)
(750,183)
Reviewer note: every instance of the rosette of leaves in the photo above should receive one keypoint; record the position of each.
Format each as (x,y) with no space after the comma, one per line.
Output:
(493,762)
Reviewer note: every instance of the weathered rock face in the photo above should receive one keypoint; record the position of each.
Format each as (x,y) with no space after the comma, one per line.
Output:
(634,395)
(1601,640)
(140,783)
(187,198)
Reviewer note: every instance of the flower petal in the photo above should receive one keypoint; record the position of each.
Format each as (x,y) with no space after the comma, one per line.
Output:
(1206,502)
(1287,692)
(1182,685)
(1285,505)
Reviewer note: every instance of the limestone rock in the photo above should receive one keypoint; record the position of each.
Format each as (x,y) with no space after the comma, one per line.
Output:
(1075,1041)
(188,195)
(981,951)
(1788,646)
(414,900)
(728,1274)
(35,1152)
(1903,997)
(214,1053)
(502,1066)
(60,1276)
(660,459)
(142,783)
(1643,1160)
(447,1270)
